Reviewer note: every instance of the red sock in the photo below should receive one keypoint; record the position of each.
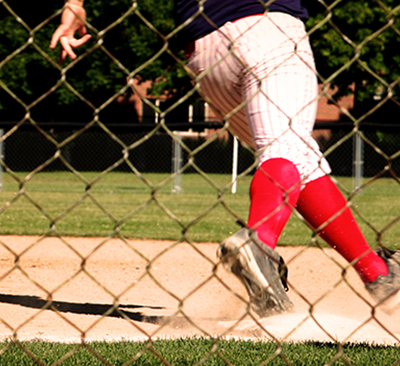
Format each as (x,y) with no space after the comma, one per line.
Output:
(274,191)
(318,202)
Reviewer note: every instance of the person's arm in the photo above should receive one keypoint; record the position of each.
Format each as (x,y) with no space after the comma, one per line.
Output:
(72,20)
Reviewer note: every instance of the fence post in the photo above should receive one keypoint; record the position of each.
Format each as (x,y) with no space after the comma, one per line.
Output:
(358,159)
(176,162)
(234,164)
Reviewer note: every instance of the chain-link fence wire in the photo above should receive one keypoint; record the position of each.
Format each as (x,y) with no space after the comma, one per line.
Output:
(95,146)
(95,151)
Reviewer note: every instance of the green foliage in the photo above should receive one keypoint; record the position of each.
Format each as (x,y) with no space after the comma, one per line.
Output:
(28,74)
(358,39)
(138,40)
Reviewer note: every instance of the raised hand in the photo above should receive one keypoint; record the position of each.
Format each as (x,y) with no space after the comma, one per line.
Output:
(72,21)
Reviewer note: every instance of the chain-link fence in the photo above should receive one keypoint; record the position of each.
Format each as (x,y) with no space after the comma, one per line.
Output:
(94,114)
(95,150)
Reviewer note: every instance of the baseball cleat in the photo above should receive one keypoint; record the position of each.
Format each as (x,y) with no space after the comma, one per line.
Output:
(385,289)
(259,268)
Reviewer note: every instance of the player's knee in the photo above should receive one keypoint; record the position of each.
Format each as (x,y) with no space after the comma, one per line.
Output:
(281,170)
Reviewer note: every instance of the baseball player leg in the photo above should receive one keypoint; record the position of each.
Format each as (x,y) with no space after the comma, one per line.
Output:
(274,192)
(264,90)
(325,209)
(280,120)
(323,206)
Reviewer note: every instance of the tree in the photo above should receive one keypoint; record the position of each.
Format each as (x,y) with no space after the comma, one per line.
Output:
(32,70)
(355,44)
(356,50)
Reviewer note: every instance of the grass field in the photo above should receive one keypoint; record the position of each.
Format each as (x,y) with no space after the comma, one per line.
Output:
(201,352)
(205,210)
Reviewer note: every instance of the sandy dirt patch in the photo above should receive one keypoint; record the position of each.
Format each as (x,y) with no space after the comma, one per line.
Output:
(114,290)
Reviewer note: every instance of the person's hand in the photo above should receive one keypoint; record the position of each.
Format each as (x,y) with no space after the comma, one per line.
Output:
(72,20)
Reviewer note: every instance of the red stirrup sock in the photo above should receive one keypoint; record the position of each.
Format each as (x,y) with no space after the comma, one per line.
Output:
(318,202)
(274,191)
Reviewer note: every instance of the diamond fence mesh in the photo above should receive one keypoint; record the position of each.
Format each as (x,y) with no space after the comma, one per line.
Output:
(99,114)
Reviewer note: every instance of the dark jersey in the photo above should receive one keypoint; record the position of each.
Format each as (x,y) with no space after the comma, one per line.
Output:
(222,11)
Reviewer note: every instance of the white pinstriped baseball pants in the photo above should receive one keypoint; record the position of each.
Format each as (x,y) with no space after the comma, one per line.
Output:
(259,72)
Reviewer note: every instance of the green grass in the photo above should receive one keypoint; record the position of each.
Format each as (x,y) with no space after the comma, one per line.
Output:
(193,351)
(123,201)
(204,211)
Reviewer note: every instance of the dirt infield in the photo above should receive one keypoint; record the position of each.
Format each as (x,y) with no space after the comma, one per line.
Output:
(84,282)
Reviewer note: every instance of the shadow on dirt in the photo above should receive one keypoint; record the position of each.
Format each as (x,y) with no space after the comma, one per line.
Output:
(109,310)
